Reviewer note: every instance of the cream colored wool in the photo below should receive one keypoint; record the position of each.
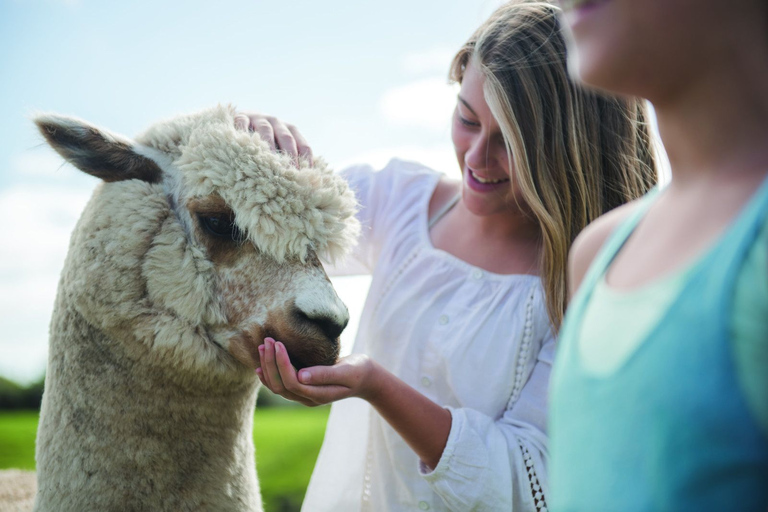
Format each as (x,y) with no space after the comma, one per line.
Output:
(150,388)
(285,210)
(17,490)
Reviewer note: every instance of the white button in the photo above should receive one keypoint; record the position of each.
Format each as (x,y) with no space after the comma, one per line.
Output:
(443,319)
(423,505)
(426,382)
(477,273)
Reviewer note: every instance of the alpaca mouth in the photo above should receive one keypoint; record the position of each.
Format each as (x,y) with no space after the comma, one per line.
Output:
(316,353)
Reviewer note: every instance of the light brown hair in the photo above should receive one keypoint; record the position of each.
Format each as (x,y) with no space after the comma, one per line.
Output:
(577,153)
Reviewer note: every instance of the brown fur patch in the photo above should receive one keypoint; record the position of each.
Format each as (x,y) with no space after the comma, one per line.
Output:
(209,204)
(245,347)
(222,251)
(91,151)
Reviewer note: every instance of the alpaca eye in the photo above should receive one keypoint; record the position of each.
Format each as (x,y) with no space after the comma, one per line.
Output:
(221,226)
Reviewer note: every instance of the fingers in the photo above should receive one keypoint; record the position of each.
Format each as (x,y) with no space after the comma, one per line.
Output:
(278,135)
(285,140)
(280,376)
(286,395)
(321,384)
(302,146)
(242,122)
(288,377)
(318,376)
(264,128)
(270,375)
(268,368)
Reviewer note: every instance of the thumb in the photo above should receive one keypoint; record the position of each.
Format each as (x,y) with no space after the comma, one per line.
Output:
(318,375)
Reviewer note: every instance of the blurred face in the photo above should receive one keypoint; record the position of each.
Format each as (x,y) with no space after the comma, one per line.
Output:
(652,48)
(480,150)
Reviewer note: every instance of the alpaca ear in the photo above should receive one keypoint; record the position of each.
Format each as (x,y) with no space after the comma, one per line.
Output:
(96,151)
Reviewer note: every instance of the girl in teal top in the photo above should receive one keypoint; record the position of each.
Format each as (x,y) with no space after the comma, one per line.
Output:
(659,397)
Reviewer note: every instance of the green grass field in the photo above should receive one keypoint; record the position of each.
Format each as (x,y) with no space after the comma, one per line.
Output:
(287,443)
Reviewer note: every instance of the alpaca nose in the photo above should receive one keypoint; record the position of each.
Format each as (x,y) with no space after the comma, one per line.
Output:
(330,324)
(320,306)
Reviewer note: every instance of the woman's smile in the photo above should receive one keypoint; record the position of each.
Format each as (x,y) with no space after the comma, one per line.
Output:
(484,184)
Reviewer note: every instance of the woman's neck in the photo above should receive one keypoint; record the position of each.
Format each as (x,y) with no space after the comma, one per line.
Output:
(501,243)
(718,124)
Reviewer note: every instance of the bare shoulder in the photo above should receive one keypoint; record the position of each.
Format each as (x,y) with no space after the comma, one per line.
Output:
(591,239)
(445,190)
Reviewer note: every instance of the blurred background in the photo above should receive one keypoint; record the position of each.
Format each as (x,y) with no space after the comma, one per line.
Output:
(364,81)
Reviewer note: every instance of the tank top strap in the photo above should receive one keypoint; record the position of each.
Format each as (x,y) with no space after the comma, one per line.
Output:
(443,210)
(615,242)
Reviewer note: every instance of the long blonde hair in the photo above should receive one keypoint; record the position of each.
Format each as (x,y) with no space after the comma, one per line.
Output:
(576,153)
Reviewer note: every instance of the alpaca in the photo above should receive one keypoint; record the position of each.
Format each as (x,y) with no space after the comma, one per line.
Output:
(199,243)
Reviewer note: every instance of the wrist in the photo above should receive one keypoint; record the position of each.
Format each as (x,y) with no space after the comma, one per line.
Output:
(375,382)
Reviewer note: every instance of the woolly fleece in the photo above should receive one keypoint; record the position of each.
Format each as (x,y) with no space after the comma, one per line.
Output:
(286,210)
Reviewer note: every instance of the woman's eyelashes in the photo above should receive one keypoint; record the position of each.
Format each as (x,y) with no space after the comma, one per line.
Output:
(464,121)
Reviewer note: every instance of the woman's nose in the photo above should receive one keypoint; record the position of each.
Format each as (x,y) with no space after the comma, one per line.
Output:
(478,155)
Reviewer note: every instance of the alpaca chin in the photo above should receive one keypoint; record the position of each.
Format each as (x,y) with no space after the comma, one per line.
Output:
(316,354)
(304,350)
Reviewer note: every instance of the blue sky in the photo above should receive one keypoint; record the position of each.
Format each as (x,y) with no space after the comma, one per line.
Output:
(364,81)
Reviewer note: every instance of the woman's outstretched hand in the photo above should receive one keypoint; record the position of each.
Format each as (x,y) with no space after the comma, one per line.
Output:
(422,423)
(279,135)
(356,375)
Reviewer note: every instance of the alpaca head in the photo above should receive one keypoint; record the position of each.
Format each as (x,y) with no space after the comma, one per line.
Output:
(201,242)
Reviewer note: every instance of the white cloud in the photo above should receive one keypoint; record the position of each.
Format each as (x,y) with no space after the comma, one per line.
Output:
(44,165)
(47,164)
(432,61)
(426,103)
(27,304)
(36,229)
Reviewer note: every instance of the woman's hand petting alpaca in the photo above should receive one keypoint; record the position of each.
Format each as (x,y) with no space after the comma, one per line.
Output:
(354,375)
(279,135)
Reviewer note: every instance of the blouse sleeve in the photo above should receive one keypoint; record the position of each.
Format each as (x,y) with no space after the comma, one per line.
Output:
(380,196)
(499,463)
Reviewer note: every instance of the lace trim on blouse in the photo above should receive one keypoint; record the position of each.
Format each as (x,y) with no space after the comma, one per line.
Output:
(536,490)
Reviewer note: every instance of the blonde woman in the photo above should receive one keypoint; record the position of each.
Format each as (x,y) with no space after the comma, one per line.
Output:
(451,364)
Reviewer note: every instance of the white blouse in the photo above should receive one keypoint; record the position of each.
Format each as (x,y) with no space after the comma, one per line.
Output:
(475,342)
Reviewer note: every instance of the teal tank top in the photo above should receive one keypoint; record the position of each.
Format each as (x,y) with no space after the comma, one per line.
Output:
(670,430)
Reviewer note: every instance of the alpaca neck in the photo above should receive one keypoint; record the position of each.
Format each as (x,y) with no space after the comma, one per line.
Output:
(114,433)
